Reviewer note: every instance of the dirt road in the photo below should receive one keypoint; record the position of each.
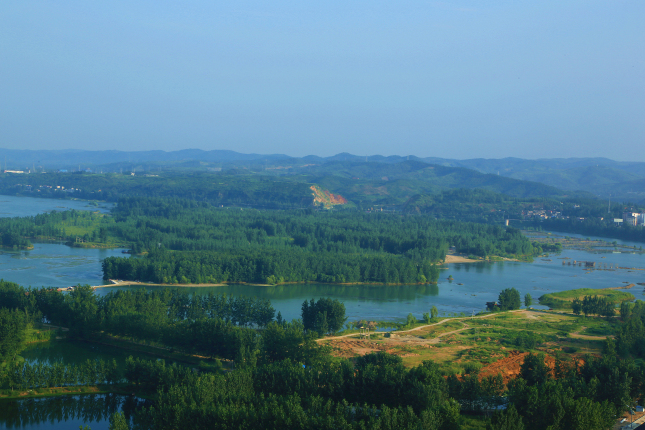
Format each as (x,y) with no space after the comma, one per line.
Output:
(424,326)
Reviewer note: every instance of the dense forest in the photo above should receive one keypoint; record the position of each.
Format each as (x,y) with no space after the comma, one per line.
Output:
(283,379)
(405,187)
(191,242)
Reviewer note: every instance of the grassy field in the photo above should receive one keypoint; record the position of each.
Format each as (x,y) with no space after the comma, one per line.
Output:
(464,344)
(563,299)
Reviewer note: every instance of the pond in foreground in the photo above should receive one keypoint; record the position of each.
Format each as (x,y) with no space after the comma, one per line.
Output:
(65,412)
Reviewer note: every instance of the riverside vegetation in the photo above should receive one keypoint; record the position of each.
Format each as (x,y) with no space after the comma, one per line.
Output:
(190,242)
(282,378)
(255,375)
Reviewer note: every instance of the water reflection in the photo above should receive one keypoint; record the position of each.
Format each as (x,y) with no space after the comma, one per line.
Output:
(74,352)
(61,412)
(372,302)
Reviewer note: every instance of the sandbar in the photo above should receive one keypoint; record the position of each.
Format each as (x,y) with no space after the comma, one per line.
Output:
(459,259)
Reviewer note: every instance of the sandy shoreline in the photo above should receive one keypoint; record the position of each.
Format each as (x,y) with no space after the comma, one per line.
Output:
(148,284)
(459,259)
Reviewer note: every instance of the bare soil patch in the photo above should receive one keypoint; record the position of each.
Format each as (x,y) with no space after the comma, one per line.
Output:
(510,366)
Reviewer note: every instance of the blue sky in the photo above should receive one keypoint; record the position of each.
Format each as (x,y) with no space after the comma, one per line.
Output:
(447,79)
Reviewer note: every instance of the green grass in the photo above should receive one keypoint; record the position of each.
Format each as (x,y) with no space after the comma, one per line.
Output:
(40,334)
(604,330)
(563,299)
(434,331)
(487,340)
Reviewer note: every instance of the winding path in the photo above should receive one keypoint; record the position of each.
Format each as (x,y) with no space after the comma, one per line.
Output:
(424,326)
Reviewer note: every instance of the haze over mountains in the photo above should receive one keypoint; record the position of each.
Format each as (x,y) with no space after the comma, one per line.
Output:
(600,176)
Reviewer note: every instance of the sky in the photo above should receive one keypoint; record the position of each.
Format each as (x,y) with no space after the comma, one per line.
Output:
(451,79)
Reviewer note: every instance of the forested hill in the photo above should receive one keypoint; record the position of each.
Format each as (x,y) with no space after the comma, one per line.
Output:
(394,184)
(362,184)
(598,176)
(232,189)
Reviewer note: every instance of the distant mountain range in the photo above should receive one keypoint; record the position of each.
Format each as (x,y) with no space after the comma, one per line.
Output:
(599,176)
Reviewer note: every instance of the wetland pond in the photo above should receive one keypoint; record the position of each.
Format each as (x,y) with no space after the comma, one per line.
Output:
(65,412)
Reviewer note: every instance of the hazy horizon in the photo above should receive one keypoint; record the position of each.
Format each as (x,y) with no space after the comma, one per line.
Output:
(457,80)
(316,155)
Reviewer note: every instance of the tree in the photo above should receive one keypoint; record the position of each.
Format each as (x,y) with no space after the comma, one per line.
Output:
(533,370)
(83,310)
(288,341)
(434,312)
(576,306)
(506,420)
(12,333)
(324,316)
(528,300)
(411,320)
(625,310)
(118,422)
(509,299)
(608,309)
(609,347)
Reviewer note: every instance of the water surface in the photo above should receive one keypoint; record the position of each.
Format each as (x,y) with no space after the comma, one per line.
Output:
(12,206)
(54,265)
(65,412)
(472,286)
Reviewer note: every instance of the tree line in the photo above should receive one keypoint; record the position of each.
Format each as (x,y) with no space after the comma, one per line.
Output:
(210,325)
(25,376)
(594,305)
(268,267)
(630,337)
